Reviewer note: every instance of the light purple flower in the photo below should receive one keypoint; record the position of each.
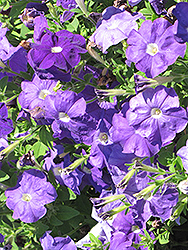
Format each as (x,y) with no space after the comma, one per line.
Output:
(183,153)
(129,139)
(57,243)
(153,48)
(28,197)
(34,93)
(114,30)
(156,114)
(61,49)
(67,109)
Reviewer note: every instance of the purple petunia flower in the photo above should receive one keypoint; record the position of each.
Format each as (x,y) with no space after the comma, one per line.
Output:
(114,30)
(1,238)
(131,141)
(28,197)
(57,243)
(156,114)
(67,109)
(61,49)
(34,93)
(183,153)
(153,48)
(66,4)
(180,12)
(6,124)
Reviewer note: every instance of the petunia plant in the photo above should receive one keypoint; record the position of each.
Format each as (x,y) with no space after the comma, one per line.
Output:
(93,124)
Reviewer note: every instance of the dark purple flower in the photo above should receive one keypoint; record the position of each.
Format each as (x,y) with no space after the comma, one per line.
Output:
(114,30)
(158,6)
(61,49)
(180,12)
(183,153)
(6,124)
(66,4)
(31,11)
(67,14)
(1,238)
(28,197)
(151,47)
(34,93)
(57,243)
(156,114)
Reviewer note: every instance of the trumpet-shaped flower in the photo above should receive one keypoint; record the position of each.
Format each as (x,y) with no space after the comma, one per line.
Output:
(156,114)
(153,48)
(28,197)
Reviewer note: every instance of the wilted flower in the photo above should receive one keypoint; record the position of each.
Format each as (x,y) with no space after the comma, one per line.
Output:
(114,30)
(31,11)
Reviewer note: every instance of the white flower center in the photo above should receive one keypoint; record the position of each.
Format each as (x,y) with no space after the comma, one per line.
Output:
(152,49)
(57,49)
(26,197)
(156,113)
(64,117)
(43,93)
(103,137)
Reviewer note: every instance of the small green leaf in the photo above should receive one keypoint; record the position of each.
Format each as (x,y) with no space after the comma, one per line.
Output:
(3,176)
(66,213)
(55,221)
(39,149)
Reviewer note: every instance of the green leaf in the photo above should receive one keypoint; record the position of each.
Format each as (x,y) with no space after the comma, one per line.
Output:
(17,8)
(94,239)
(55,221)
(66,213)
(87,77)
(46,137)
(39,149)
(72,194)
(181,142)
(164,239)
(24,30)
(41,228)
(3,176)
